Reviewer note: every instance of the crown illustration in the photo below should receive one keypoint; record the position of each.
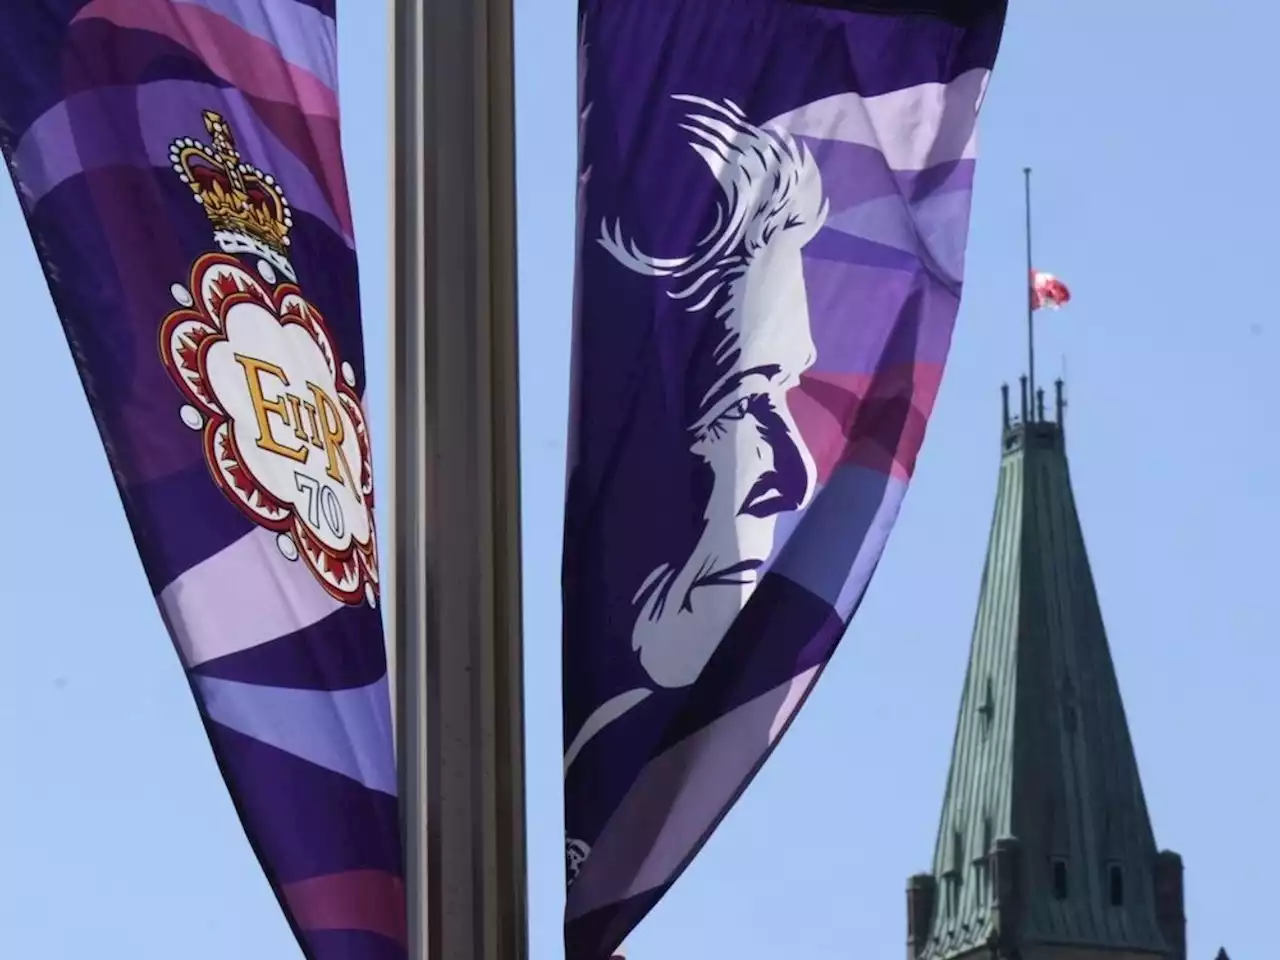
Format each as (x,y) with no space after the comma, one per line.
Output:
(246,206)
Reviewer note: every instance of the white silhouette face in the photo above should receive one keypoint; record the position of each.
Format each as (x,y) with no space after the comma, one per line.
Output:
(750,278)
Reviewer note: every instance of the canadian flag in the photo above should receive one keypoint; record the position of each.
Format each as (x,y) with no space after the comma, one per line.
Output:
(1047,291)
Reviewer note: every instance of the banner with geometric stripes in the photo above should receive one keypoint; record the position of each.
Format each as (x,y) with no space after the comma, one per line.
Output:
(179,165)
(773,208)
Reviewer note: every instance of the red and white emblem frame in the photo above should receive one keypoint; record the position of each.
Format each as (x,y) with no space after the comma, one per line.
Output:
(344,561)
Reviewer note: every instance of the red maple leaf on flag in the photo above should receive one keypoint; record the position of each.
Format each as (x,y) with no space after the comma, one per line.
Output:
(341,568)
(224,286)
(239,476)
(1047,291)
(189,345)
(260,296)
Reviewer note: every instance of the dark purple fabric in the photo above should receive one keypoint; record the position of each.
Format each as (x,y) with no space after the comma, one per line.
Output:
(722,423)
(281,639)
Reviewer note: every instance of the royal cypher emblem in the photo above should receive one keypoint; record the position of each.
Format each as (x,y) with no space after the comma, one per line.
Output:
(284,433)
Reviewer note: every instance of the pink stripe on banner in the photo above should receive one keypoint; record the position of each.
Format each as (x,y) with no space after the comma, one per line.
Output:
(305,37)
(252,64)
(366,900)
(847,417)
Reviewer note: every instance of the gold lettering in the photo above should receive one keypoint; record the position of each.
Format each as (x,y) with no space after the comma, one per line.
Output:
(316,440)
(295,407)
(333,432)
(263,408)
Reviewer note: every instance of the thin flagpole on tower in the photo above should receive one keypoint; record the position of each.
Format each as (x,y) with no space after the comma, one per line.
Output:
(1029,281)
(454,591)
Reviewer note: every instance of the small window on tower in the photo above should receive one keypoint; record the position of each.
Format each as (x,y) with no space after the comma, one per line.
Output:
(1115,882)
(987,708)
(953,893)
(982,886)
(1059,879)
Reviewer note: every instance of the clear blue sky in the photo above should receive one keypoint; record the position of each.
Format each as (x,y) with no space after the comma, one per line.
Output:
(1150,126)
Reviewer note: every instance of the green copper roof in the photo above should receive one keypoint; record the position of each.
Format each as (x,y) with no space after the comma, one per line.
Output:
(1042,751)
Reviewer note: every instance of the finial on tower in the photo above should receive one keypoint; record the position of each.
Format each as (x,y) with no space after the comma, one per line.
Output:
(1004,402)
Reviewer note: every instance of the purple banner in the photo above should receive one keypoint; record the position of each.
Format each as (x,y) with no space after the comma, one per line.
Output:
(773,209)
(178,162)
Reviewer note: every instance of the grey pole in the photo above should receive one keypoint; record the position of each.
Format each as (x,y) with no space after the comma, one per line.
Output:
(1031,310)
(454,591)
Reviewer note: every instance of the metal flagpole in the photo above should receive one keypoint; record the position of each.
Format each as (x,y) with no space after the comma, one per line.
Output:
(454,595)
(1031,310)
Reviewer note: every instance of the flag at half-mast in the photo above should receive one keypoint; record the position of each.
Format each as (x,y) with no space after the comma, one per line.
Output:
(773,210)
(179,166)
(1047,291)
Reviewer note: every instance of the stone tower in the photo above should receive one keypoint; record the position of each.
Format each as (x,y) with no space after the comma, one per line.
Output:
(1045,849)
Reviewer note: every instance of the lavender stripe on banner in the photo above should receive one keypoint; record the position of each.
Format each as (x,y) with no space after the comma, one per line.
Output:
(241,597)
(854,174)
(346,731)
(832,549)
(933,229)
(693,782)
(50,152)
(915,128)
(848,249)
(855,311)
(304,36)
